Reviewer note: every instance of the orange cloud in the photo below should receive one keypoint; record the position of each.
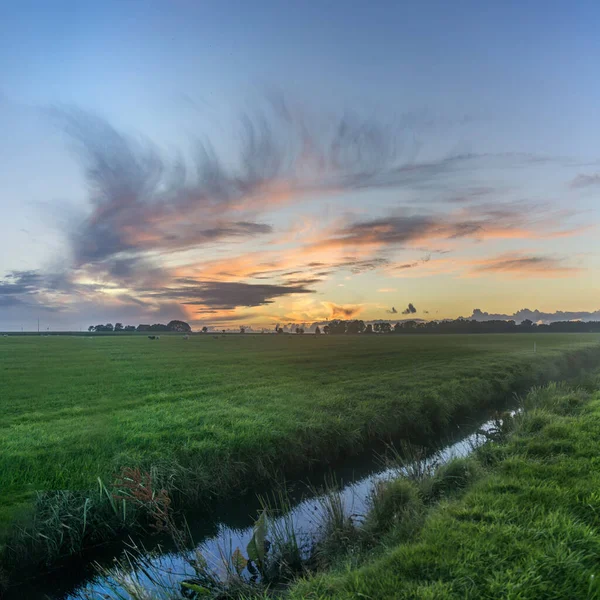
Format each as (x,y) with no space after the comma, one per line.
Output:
(343,311)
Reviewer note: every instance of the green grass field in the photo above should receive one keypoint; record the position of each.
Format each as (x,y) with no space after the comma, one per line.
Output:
(215,415)
(528,529)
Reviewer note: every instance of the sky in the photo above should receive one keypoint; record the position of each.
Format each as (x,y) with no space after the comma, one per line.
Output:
(262,163)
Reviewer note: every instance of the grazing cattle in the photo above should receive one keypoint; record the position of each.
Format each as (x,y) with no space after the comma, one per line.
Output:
(186,337)
(151,337)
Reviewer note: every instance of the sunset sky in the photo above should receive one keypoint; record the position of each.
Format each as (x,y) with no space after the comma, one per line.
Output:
(255,163)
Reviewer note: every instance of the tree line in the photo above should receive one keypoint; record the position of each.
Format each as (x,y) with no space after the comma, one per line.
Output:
(175,325)
(338,326)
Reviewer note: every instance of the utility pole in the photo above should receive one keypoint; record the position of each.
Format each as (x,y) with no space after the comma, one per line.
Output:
(38,326)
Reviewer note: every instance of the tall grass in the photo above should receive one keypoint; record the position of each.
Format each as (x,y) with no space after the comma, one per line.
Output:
(525,527)
(463,529)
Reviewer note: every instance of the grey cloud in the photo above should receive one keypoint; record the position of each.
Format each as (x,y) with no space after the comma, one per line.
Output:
(226,295)
(407,227)
(527,265)
(29,288)
(471,195)
(303,282)
(361,265)
(584,181)
(402,229)
(20,282)
(409,310)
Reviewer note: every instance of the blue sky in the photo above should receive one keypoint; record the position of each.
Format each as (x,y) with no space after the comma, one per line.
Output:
(442,79)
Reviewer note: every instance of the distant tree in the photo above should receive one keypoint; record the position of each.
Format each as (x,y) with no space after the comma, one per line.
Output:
(118,326)
(109,327)
(317,331)
(180,326)
(464,326)
(143,327)
(129,327)
(337,326)
(91,328)
(355,326)
(242,329)
(279,329)
(205,329)
(223,330)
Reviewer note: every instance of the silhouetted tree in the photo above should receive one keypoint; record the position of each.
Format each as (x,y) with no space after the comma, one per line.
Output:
(337,326)
(355,326)
(317,331)
(118,326)
(180,326)
(204,329)
(91,328)
(468,326)
(242,329)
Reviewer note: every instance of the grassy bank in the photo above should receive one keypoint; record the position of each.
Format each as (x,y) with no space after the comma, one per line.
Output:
(528,528)
(208,417)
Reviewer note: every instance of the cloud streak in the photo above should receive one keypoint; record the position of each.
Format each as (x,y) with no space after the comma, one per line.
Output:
(585,181)
(226,295)
(524,266)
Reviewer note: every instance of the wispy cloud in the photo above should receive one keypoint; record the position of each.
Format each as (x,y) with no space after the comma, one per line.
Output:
(224,295)
(584,181)
(508,221)
(524,266)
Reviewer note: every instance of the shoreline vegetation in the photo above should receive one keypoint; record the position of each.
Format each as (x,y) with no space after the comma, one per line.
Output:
(518,517)
(415,392)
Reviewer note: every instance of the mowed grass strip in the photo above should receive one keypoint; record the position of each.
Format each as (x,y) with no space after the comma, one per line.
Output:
(233,409)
